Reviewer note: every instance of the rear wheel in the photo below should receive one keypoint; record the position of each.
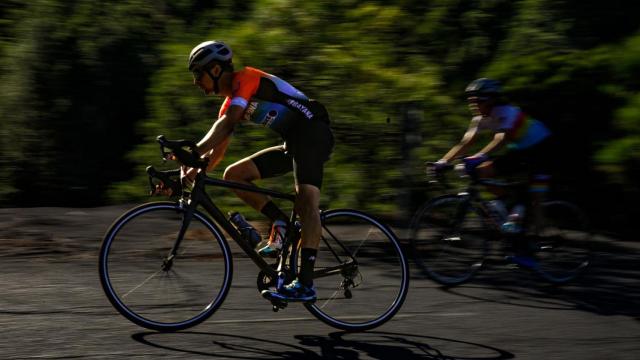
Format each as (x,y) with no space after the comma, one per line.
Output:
(449,239)
(561,242)
(361,273)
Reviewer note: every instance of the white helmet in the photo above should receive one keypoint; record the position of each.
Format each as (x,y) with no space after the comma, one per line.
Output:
(209,51)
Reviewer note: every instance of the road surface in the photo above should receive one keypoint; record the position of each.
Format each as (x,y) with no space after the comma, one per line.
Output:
(52,307)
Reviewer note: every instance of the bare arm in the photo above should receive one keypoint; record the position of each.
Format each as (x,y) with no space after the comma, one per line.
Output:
(221,129)
(466,141)
(214,144)
(495,144)
(217,154)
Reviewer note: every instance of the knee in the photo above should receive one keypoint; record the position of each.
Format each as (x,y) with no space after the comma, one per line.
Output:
(228,173)
(307,212)
(485,170)
(234,173)
(308,201)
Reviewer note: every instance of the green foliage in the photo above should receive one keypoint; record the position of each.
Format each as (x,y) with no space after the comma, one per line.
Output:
(344,65)
(76,78)
(88,86)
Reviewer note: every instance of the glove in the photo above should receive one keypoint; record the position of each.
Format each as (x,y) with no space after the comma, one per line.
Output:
(471,162)
(435,168)
(440,165)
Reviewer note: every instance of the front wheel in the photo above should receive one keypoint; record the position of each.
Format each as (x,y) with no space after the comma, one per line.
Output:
(449,239)
(361,274)
(150,286)
(561,242)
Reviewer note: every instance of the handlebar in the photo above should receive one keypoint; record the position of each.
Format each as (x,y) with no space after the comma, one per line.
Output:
(166,178)
(432,165)
(435,175)
(183,151)
(190,158)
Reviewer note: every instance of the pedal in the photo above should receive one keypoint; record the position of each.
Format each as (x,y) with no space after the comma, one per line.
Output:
(277,303)
(347,294)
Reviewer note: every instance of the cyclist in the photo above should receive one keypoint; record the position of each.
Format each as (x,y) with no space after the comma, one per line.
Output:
(264,99)
(525,139)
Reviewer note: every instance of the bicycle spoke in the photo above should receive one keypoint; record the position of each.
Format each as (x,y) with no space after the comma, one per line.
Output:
(449,246)
(371,250)
(332,297)
(354,253)
(141,284)
(561,242)
(190,285)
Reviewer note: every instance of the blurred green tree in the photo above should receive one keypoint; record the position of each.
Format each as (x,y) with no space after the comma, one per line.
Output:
(87,86)
(75,81)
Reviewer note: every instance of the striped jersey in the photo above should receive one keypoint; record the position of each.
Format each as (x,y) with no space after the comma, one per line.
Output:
(522,130)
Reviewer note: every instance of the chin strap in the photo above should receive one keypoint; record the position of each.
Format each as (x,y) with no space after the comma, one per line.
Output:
(216,79)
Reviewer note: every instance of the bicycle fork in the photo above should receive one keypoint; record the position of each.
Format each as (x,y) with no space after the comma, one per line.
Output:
(167,263)
(460,215)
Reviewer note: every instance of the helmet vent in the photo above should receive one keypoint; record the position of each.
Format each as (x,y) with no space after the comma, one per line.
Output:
(202,54)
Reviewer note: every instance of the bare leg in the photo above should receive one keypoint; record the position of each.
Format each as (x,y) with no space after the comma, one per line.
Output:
(245,171)
(486,171)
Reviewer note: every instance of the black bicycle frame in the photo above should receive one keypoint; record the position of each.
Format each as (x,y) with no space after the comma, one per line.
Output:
(199,197)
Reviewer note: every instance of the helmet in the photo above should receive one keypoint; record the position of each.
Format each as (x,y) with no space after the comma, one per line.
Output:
(483,87)
(207,52)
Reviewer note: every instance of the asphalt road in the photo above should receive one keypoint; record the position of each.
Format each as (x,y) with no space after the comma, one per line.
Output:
(52,306)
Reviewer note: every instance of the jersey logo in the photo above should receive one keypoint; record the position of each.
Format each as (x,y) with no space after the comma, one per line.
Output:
(250,109)
(303,109)
(268,119)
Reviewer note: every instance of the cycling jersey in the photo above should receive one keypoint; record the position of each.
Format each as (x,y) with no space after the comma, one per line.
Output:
(534,160)
(270,101)
(304,124)
(522,130)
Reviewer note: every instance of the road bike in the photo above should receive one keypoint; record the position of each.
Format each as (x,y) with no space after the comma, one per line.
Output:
(167,266)
(450,235)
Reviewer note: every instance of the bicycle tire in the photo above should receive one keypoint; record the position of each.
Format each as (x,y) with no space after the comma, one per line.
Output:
(371,290)
(561,242)
(447,250)
(151,294)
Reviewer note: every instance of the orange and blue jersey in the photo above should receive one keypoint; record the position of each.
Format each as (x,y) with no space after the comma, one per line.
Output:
(522,130)
(268,100)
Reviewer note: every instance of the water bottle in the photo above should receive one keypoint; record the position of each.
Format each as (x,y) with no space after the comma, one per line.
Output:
(513,225)
(248,232)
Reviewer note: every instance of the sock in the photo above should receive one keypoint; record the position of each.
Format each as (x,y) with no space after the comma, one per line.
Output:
(273,212)
(308,261)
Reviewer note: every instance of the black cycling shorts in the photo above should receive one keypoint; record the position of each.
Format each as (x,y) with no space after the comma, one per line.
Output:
(308,145)
(534,161)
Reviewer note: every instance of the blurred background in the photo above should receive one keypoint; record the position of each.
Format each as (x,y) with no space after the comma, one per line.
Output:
(86,87)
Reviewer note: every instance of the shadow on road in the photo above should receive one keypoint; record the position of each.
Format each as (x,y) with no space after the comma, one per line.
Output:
(339,345)
(610,287)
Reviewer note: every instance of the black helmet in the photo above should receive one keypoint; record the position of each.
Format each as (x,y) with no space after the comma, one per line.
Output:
(483,87)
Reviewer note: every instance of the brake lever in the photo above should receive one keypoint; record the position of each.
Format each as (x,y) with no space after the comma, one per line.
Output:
(190,158)
(165,179)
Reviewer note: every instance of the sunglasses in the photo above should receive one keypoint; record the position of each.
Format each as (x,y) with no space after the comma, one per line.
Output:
(477,99)
(197,73)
